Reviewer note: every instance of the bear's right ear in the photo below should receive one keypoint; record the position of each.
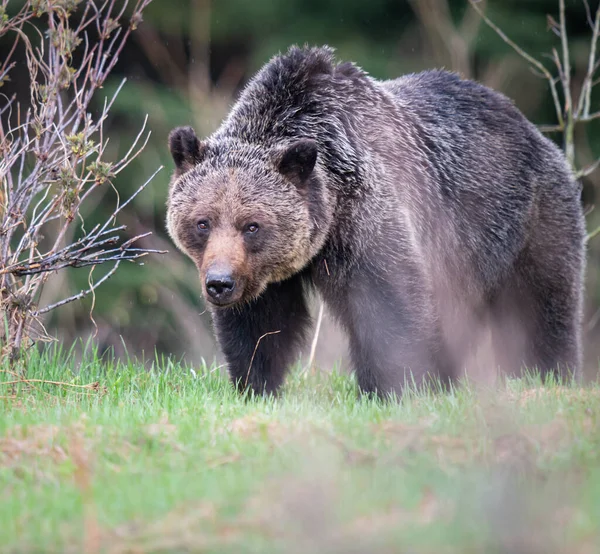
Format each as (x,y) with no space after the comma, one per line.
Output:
(297,161)
(186,149)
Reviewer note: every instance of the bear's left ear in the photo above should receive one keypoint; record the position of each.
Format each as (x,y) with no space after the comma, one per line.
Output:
(186,149)
(297,161)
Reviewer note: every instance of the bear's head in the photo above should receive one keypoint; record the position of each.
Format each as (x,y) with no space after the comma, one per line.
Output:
(246,214)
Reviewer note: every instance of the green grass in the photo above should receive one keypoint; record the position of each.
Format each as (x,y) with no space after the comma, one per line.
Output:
(167,461)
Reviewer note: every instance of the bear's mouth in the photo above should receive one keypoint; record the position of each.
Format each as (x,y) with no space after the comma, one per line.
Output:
(221,303)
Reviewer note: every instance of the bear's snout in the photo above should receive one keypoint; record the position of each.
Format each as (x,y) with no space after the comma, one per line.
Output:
(220,286)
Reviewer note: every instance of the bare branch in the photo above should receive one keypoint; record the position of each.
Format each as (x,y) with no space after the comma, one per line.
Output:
(550,128)
(593,234)
(80,295)
(585,97)
(587,170)
(569,139)
(530,59)
(589,117)
(588,13)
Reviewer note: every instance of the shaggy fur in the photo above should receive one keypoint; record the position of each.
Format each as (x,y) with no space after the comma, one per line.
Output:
(426,211)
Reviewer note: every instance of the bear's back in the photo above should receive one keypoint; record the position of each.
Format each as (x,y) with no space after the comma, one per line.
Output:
(488,164)
(461,116)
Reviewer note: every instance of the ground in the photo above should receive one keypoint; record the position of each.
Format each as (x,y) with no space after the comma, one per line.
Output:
(124,459)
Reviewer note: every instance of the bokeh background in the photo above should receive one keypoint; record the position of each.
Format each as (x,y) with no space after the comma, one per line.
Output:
(187,62)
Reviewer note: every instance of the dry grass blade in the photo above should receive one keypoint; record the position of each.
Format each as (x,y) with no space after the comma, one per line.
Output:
(313,346)
(254,353)
(90,386)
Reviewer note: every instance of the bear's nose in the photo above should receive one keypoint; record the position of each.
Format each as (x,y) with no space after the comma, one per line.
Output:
(219,286)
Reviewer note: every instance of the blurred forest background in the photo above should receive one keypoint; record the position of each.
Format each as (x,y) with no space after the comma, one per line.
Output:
(187,62)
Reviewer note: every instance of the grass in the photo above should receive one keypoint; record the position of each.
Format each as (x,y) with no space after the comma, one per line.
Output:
(172,460)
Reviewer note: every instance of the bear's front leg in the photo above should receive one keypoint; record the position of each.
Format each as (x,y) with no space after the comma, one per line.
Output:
(392,332)
(261,338)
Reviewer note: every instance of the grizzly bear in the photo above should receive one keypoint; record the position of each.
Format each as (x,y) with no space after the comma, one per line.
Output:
(424,210)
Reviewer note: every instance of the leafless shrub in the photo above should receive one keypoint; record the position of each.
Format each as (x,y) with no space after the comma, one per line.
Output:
(53,155)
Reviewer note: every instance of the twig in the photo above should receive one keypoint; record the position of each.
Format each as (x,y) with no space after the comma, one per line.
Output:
(587,170)
(585,97)
(550,128)
(594,233)
(81,294)
(588,118)
(569,144)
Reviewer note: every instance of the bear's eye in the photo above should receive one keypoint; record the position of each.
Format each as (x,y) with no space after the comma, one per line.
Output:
(202,226)
(252,228)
